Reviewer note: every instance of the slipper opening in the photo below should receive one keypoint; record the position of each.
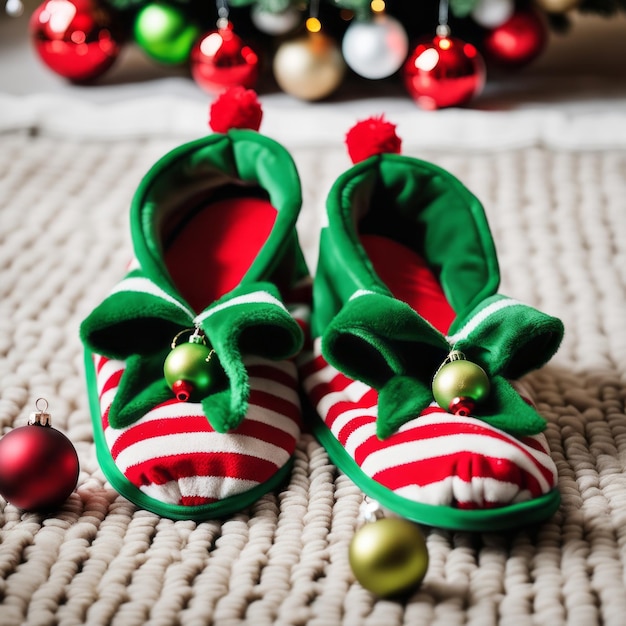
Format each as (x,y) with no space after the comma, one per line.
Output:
(408,277)
(210,246)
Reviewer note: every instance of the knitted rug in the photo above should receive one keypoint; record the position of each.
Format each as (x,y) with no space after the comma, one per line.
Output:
(555,194)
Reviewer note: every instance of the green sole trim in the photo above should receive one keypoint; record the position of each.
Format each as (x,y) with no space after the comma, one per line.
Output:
(124,487)
(497,519)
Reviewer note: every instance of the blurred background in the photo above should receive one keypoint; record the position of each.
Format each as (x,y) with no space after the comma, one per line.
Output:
(329,51)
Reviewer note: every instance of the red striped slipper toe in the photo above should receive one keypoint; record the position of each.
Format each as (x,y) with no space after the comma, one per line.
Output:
(414,352)
(192,384)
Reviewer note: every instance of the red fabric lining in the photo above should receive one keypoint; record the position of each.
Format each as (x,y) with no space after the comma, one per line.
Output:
(409,279)
(215,248)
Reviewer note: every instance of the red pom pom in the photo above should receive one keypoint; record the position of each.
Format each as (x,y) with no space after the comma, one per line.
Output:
(237,107)
(372,136)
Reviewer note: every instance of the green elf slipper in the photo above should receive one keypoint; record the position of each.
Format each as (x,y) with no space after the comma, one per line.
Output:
(414,352)
(192,384)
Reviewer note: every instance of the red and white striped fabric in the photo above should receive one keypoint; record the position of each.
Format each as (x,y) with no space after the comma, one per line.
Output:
(173,455)
(435,459)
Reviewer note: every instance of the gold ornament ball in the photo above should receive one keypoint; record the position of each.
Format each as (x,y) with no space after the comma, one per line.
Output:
(388,556)
(460,379)
(557,6)
(309,67)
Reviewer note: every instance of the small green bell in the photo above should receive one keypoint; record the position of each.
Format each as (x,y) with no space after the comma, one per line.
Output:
(460,384)
(189,368)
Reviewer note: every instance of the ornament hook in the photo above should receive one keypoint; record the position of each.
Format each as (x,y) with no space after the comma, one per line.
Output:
(178,336)
(453,355)
(443,30)
(312,23)
(195,336)
(223,14)
(41,417)
(370,511)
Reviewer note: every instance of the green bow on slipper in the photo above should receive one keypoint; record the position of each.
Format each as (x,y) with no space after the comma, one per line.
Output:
(386,344)
(137,322)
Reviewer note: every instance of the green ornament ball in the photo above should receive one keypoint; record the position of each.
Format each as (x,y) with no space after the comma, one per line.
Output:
(164,33)
(389,556)
(460,379)
(192,365)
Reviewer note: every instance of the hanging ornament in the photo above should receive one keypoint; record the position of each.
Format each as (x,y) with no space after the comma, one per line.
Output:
(443,71)
(388,556)
(164,33)
(459,385)
(492,13)
(518,41)
(190,368)
(557,6)
(376,47)
(275,23)
(38,464)
(309,67)
(220,59)
(14,8)
(74,38)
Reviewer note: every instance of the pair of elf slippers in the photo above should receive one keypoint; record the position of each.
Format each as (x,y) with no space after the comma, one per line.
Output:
(211,355)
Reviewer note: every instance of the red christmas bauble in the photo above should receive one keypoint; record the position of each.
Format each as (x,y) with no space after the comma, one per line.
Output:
(443,72)
(220,59)
(38,467)
(518,41)
(74,38)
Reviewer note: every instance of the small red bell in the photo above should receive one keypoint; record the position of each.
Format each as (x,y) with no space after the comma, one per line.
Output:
(461,406)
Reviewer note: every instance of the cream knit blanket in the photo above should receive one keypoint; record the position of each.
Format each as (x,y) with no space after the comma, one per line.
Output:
(554,188)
